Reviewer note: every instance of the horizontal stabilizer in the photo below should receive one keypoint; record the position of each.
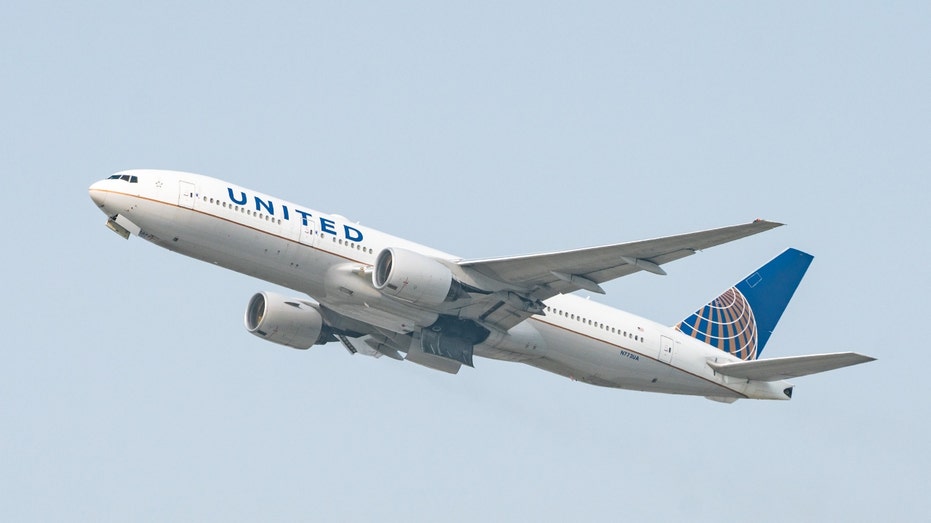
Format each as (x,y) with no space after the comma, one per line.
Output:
(775,369)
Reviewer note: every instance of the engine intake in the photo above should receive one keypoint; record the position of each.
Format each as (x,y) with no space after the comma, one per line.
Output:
(413,277)
(287,321)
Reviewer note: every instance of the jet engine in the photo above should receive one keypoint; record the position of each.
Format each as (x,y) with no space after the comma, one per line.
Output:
(292,322)
(414,278)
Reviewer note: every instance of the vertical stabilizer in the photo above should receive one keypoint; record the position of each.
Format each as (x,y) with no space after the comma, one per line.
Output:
(741,320)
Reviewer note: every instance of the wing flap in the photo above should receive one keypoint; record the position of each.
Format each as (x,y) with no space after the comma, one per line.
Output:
(775,369)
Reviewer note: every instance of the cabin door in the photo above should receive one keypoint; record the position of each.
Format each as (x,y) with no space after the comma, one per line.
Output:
(666,348)
(186,194)
(309,233)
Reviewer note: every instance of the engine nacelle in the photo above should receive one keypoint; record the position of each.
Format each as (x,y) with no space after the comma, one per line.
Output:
(288,321)
(413,277)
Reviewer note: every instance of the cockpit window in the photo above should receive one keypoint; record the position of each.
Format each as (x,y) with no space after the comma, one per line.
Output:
(124,177)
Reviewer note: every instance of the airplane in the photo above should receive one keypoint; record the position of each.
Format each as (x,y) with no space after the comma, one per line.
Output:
(380,295)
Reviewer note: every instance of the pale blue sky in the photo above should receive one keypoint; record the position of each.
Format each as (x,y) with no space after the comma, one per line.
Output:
(129,389)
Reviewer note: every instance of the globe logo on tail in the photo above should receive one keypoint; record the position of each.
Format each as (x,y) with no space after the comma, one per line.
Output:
(726,323)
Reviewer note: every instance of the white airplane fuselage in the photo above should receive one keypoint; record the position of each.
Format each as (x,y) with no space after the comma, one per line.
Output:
(330,259)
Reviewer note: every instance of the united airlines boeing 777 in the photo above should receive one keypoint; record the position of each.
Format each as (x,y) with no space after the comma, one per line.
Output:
(381,295)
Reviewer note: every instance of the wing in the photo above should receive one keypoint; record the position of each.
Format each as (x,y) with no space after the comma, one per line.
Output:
(527,280)
(552,273)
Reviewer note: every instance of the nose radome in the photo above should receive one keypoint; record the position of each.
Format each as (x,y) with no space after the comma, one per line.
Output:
(97,194)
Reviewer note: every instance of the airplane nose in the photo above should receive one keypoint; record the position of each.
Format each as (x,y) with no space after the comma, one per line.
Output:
(97,194)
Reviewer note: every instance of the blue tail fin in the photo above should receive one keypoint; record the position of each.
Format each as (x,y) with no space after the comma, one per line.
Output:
(741,320)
